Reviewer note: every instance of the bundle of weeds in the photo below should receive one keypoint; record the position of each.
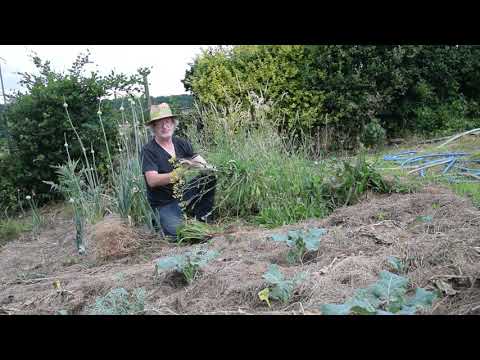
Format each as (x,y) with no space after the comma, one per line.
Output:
(193,231)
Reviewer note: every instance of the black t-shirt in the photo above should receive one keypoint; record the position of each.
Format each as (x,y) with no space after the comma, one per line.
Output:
(155,158)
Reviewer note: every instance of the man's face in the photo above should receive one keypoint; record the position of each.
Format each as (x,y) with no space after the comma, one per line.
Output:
(164,128)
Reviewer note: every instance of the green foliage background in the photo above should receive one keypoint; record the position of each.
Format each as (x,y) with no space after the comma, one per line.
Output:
(344,88)
(37,124)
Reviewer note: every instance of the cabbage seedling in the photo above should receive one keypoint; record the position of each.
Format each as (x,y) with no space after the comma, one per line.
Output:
(300,242)
(280,288)
(188,264)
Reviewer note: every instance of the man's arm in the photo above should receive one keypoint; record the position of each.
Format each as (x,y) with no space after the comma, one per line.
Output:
(154,179)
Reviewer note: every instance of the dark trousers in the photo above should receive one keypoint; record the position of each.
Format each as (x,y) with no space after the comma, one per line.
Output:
(199,198)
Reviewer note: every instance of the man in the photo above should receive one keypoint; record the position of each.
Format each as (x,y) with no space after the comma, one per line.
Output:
(159,156)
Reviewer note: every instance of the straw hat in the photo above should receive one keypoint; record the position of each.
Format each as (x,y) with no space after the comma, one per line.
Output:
(158,112)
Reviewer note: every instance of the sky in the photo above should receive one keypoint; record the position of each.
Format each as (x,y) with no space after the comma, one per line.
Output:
(169,62)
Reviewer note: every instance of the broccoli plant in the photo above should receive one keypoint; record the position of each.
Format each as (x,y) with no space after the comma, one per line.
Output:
(188,264)
(280,288)
(119,302)
(385,297)
(300,242)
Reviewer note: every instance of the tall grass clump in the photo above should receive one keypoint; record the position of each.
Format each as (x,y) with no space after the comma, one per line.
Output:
(37,219)
(271,177)
(129,188)
(262,176)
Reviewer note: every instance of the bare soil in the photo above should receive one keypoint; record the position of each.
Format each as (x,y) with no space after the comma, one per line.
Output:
(441,253)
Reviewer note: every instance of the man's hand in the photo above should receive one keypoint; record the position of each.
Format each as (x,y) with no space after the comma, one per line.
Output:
(195,162)
(199,159)
(178,173)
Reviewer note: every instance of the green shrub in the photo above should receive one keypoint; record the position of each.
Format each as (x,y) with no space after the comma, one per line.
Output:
(373,134)
(340,88)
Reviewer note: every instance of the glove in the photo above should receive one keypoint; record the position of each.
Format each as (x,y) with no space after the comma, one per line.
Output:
(177,174)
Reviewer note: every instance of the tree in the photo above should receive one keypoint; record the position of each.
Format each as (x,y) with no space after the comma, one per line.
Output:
(39,127)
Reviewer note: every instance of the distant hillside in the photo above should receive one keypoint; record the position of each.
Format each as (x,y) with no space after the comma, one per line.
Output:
(176,102)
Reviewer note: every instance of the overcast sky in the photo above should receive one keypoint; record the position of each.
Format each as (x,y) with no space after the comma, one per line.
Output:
(169,62)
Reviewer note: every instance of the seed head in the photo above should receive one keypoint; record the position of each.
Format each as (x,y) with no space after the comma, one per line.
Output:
(65,105)
(122,108)
(28,197)
(71,201)
(99,113)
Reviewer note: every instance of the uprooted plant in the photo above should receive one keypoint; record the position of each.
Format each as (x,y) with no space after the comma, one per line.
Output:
(385,297)
(188,264)
(300,242)
(194,231)
(279,288)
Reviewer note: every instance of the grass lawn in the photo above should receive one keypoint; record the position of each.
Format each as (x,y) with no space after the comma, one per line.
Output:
(468,144)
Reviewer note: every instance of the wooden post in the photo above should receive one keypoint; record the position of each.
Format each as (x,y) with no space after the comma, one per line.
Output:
(147,95)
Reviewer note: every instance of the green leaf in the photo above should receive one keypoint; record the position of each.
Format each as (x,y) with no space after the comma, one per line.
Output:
(364,302)
(273,275)
(334,309)
(317,232)
(171,262)
(282,291)
(279,237)
(422,298)
(292,256)
(390,286)
(312,243)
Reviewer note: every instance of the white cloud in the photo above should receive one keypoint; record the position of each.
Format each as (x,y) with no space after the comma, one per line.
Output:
(169,62)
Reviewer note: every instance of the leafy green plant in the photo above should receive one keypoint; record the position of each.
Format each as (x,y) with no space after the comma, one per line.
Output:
(300,242)
(188,264)
(385,297)
(279,288)
(351,180)
(119,302)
